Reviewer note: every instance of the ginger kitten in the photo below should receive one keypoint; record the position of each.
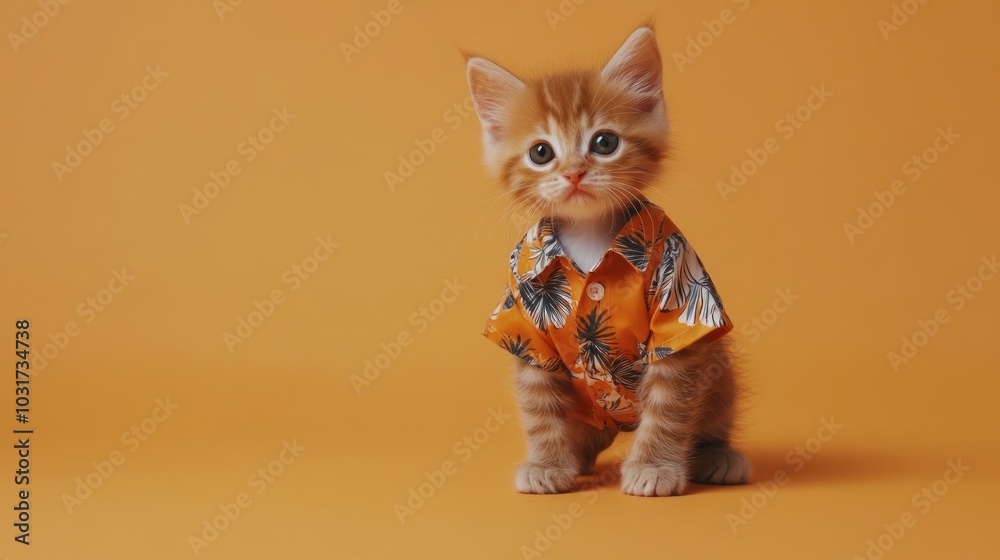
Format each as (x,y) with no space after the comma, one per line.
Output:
(615,324)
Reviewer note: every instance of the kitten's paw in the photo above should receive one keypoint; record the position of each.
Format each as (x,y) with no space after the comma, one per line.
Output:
(534,478)
(721,464)
(643,479)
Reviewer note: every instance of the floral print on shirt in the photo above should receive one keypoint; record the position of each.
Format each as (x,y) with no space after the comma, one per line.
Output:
(653,298)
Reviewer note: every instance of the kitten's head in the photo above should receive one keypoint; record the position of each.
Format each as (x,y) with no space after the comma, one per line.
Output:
(579,144)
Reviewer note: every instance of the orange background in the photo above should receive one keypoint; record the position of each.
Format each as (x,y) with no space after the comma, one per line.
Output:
(322,175)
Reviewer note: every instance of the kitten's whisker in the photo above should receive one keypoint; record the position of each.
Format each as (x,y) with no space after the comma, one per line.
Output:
(619,202)
(513,200)
(636,197)
(511,225)
(512,206)
(630,199)
(503,192)
(494,199)
(530,212)
(602,102)
(650,187)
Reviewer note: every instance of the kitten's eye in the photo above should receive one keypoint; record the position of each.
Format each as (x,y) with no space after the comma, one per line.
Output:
(541,153)
(604,143)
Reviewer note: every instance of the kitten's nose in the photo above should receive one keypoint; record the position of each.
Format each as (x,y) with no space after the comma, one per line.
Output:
(574,177)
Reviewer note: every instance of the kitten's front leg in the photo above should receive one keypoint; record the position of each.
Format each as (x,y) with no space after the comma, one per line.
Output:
(554,459)
(669,400)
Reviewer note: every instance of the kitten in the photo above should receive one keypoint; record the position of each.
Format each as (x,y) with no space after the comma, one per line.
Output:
(614,322)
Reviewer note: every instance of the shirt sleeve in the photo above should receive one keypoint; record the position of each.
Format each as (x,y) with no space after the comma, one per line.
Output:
(685,307)
(510,327)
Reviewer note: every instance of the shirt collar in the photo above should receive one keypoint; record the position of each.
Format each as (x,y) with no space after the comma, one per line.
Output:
(540,248)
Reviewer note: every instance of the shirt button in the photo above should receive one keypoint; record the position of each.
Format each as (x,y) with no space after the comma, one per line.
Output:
(595,291)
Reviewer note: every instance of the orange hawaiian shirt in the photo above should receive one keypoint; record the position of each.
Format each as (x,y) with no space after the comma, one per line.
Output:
(648,297)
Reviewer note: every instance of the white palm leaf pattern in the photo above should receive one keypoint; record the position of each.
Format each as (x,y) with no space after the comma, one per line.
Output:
(548,303)
(635,248)
(543,245)
(506,302)
(683,283)
(663,279)
(515,256)
(626,373)
(518,347)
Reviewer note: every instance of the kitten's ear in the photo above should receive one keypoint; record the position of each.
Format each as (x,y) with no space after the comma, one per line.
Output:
(492,90)
(637,65)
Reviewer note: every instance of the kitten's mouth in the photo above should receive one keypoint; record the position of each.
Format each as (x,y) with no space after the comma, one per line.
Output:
(575,192)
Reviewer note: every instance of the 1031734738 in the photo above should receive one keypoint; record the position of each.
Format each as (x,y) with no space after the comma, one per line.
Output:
(22,430)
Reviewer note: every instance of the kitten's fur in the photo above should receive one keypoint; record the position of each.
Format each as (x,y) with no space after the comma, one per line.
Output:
(687,400)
